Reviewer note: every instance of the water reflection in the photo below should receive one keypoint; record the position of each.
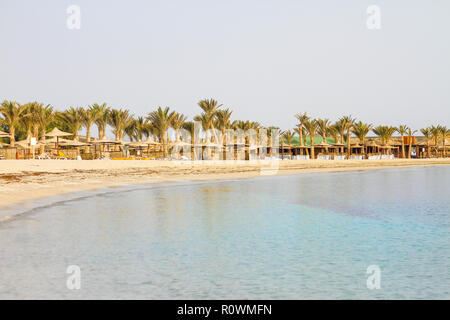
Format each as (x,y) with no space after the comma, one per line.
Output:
(286,237)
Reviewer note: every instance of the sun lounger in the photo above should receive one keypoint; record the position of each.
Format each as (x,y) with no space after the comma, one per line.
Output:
(43,156)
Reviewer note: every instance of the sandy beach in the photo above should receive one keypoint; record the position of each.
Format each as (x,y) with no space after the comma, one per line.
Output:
(33,179)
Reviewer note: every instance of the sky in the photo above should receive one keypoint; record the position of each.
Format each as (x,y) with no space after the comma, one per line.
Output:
(265,60)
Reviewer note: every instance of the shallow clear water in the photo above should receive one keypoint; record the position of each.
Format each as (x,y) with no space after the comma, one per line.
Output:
(287,237)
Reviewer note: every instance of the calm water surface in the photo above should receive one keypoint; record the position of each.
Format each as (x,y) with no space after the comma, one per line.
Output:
(286,237)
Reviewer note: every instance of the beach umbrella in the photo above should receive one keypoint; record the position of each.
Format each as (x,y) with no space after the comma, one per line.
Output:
(150,141)
(58,133)
(136,144)
(105,140)
(74,143)
(26,143)
(52,140)
(180,144)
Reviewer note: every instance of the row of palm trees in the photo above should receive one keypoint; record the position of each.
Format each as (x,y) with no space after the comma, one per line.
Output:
(34,119)
(342,129)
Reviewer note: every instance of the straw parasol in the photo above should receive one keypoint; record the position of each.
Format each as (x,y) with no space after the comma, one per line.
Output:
(26,144)
(150,141)
(52,140)
(58,133)
(180,144)
(322,144)
(74,143)
(105,140)
(136,144)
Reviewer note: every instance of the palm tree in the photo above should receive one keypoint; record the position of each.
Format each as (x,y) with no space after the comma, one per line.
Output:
(410,133)
(385,133)
(161,119)
(323,128)
(203,119)
(300,130)
(102,120)
(177,123)
(360,130)
(340,127)
(402,129)
(224,120)
(427,134)
(12,113)
(89,118)
(302,118)
(27,122)
(131,130)
(142,128)
(119,120)
(445,133)
(348,122)
(210,108)
(435,133)
(72,118)
(288,135)
(46,116)
(36,112)
(311,129)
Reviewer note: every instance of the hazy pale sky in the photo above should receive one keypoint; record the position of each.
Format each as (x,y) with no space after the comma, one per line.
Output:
(266,60)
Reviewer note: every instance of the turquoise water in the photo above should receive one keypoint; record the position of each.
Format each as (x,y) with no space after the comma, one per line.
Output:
(308,236)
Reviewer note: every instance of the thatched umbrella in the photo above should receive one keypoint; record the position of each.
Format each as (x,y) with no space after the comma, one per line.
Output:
(26,144)
(104,142)
(58,133)
(339,145)
(373,144)
(357,146)
(324,145)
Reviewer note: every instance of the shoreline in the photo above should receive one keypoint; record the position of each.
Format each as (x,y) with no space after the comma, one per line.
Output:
(25,180)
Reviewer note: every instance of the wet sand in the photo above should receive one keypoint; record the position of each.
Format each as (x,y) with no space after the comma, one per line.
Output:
(22,180)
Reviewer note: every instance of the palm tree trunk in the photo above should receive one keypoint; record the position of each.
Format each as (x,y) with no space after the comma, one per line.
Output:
(88,137)
(349,149)
(12,132)
(312,148)
(36,131)
(300,136)
(409,148)
(163,141)
(443,143)
(403,147)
